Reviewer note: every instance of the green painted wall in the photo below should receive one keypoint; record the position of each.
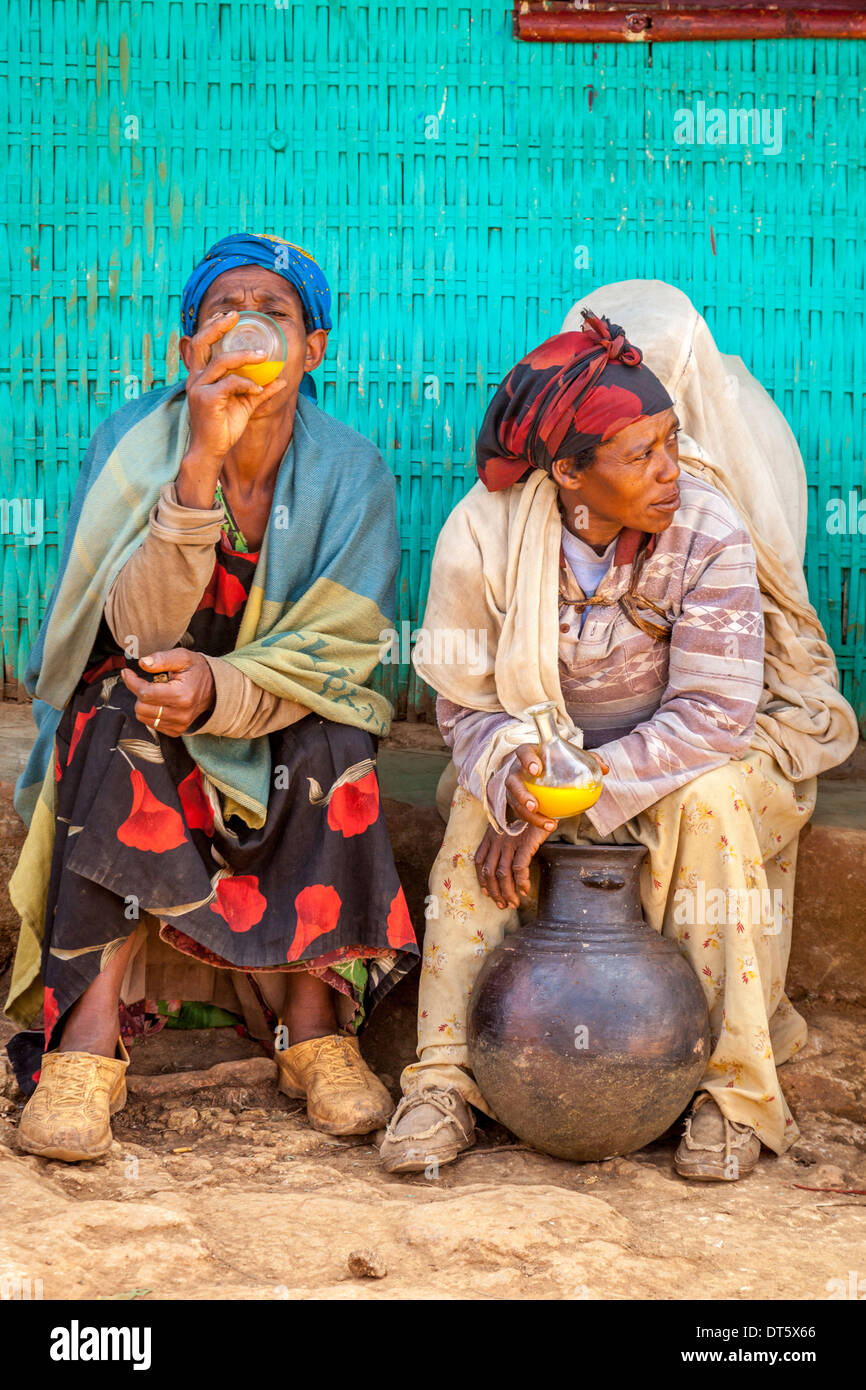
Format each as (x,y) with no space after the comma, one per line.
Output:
(444,174)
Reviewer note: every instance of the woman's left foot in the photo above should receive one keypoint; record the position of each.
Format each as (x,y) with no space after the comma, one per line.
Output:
(713,1148)
(343,1095)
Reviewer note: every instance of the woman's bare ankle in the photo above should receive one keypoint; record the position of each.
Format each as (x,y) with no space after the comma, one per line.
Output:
(97,1049)
(100,1041)
(310,1011)
(93,1024)
(306,1031)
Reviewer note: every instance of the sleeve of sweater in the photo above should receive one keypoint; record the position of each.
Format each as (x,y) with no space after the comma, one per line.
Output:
(715,679)
(467,733)
(241,709)
(154,597)
(156,593)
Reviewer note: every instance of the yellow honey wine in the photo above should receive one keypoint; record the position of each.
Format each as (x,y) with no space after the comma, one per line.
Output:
(261,372)
(560,802)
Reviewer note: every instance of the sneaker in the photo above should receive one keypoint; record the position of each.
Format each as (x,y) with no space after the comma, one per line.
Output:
(343,1095)
(69,1114)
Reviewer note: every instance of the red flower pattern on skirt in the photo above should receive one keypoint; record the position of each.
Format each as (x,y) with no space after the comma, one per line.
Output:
(50,1013)
(197,810)
(355,806)
(150,825)
(240,902)
(318,908)
(77,730)
(400,931)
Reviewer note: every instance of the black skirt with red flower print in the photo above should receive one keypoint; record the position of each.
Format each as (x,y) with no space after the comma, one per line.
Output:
(314,888)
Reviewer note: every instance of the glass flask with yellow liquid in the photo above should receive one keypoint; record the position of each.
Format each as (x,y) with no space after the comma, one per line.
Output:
(571,777)
(255,332)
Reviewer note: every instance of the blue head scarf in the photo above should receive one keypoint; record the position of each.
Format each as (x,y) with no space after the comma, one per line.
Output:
(272,253)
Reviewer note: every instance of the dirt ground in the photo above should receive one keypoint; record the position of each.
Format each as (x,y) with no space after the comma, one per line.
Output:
(229,1194)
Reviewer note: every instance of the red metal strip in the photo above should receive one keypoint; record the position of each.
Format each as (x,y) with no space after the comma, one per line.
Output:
(588,26)
(652,7)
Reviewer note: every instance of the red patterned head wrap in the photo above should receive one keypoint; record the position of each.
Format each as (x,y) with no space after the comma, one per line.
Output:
(575,390)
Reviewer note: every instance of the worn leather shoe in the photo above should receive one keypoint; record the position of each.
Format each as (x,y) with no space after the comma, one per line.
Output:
(713,1148)
(343,1095)
(429,1128)
(69,1114)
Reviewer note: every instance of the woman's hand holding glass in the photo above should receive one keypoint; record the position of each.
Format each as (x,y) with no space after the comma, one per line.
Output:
(220,405)
(502,861)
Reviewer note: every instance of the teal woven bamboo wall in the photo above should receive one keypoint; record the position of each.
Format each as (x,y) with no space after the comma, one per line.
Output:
(445,175)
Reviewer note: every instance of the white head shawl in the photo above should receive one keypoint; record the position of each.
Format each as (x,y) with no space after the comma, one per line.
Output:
(738,440)
(719,404)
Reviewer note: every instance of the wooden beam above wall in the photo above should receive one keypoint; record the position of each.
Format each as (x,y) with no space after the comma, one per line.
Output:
(616,21)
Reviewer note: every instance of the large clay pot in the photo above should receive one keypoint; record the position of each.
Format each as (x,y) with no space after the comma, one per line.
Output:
(588,1031)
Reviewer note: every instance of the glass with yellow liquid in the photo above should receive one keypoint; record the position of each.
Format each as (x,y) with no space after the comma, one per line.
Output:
(571,777)
(256,332)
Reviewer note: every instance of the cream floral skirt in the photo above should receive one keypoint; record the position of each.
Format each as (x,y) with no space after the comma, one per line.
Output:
(719,880)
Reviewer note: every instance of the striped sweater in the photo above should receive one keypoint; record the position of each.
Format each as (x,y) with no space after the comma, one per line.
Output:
(659,713)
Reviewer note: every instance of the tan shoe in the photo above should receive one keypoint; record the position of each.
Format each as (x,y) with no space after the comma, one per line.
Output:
(69,1114)
(713,1148)
(343,1095)
(429,1128)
